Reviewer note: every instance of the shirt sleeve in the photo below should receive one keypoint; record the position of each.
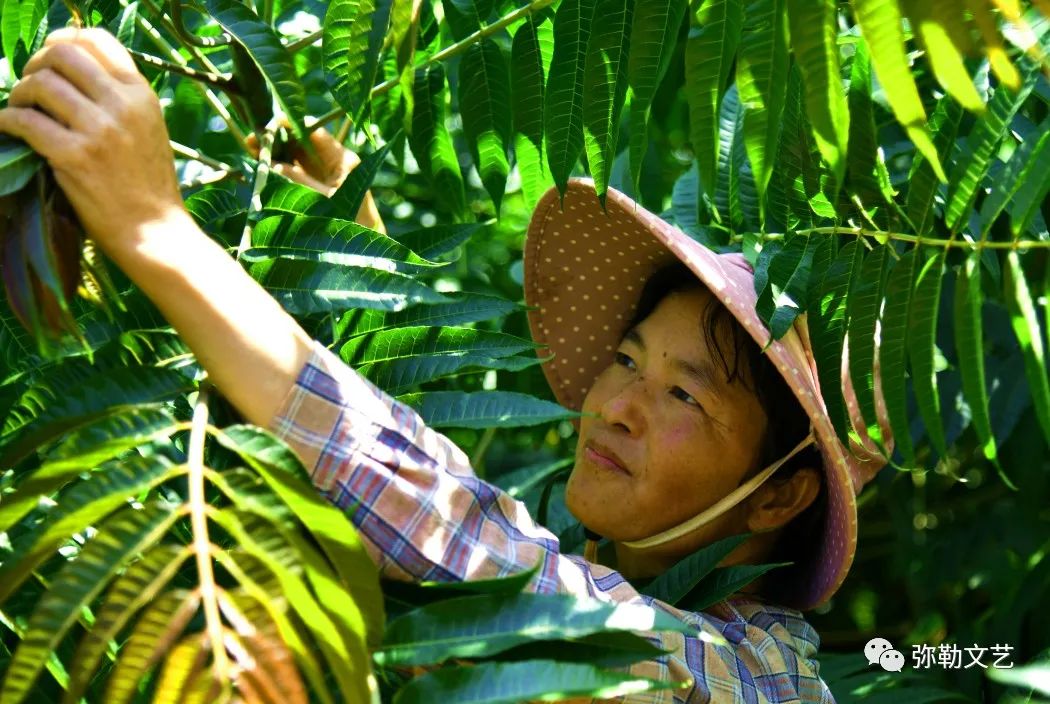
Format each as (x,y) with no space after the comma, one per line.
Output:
(424,515)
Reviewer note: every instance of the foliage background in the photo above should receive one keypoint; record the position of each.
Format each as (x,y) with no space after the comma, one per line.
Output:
(949,551)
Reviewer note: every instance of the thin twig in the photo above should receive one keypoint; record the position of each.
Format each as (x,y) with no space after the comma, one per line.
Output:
(925,241)
(209,95)
(189,37)
(464,44)
(303,42)
(447,53)
(222,81)
(191,153)
(262,172)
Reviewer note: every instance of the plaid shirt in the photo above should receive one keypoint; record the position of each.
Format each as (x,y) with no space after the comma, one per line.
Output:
(424,515)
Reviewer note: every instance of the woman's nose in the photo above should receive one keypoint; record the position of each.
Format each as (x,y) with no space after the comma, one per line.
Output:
(625,406)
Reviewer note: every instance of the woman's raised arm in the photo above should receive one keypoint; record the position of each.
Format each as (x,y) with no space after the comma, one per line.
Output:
(83,105)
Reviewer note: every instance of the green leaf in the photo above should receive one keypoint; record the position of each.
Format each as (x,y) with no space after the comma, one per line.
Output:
(351,42)
(460,308)
(338,241)
(331,616)
(416,594)
(922,182)
(508,683)
(761,77)
(284,196)
(398,359)
(895,317)
(724,582)
(969,344)
(605,86)
(430,140)
(211,206)
(420,340)
(130,592)
(531,48)
(709,53)
(434,241)
(922,337)
(92,446)
(601,649)
(563,102)
(269,54)
(347,200)
(1027,162)
(828,324)
(941,29)
(654,33)
(477,626)
(732,165)
(305,287)
(484,103)
(880,23)
(280,468)
(159,624)
(674,584)
(782,297)
(982,144)
(1020,303)
(117,541)
(80,506)
(814,35)
(1033,189)
(484,409)
(863,136)
(98,396)
(862,309)
(18,163)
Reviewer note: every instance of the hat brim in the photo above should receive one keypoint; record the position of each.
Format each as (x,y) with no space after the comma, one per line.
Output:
(584,272)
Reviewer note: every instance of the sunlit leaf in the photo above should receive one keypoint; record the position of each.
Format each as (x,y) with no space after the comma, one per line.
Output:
(713,37)
(813,40)
(605,86)
(563,100)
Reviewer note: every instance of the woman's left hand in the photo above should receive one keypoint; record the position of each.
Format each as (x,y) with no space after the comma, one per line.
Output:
(325,170)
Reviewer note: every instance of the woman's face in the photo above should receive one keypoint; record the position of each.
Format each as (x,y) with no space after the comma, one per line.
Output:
(684,436)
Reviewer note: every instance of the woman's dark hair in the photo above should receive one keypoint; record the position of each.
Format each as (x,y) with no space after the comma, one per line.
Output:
(788,422)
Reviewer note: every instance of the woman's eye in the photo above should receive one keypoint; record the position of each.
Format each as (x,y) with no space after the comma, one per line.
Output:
(686,395)
(622,359)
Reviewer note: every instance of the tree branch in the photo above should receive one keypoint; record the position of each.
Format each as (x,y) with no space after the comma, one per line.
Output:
(916,239)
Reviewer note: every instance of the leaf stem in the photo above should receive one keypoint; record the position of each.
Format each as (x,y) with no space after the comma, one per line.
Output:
(262,172)
(926,241)
(199,521)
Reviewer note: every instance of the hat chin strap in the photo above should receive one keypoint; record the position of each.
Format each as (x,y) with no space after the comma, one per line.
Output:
(721,506)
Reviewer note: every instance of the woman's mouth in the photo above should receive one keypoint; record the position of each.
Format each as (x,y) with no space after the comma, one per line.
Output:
(601,460)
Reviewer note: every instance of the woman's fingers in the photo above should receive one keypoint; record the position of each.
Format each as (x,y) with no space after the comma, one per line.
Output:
(103,46)
(76,65)
(51,92)
(46,136)
(296,173)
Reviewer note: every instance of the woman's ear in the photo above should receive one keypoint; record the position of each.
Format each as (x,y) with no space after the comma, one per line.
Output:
(776,503)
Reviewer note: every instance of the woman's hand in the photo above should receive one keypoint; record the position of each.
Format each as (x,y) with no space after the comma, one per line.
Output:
(325,171)
(83,105)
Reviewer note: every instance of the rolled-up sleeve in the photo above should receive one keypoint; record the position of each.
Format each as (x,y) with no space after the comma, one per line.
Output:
(424,515)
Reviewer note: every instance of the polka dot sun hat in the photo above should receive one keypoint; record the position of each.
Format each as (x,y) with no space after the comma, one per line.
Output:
(584,272)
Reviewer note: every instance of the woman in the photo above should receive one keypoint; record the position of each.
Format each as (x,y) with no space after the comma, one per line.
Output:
(675,450)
